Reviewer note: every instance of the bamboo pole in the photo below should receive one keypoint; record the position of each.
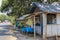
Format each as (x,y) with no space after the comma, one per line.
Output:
(34,30)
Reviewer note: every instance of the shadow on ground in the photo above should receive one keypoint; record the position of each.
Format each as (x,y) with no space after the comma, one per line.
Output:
(4,30)
(26,36)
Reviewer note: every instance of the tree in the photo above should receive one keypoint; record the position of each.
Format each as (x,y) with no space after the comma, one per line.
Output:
(9,18)
(19,7)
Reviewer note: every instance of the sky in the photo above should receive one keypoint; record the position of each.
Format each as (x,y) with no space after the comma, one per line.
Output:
(0,2)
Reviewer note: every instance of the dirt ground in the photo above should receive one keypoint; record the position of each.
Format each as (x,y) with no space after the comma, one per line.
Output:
(24,36)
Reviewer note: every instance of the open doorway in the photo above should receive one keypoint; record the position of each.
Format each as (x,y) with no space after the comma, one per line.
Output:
(39,24)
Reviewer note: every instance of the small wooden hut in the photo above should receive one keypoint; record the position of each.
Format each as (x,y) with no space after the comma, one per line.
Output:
(48,16)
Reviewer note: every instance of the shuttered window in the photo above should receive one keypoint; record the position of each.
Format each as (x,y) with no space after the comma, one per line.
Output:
(51,18)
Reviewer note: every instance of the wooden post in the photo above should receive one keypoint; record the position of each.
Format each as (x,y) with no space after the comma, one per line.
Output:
(57,33)
(34,30)
(44,26)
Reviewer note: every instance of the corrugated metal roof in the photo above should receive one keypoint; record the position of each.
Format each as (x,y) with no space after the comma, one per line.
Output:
(24,16)
(47,7)
(43,7)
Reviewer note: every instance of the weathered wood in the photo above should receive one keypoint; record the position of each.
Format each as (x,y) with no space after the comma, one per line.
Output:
(54,28)
(45,26)
(34,29)
(56,37)
(51,38)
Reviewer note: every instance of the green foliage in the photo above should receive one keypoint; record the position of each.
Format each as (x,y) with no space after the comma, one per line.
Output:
(51,1)
(4,4)
(19,7)
(11,19)
(5,17)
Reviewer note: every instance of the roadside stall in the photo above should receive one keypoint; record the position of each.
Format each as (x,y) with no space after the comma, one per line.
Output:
(32,21)
(46,20)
